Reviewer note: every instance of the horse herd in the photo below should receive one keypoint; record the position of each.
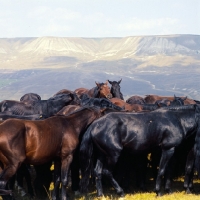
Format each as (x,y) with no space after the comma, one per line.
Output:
(87,131)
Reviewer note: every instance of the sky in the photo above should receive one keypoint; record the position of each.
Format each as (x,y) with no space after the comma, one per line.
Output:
(98,18)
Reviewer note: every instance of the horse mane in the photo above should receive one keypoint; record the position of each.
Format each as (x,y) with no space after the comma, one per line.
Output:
(83,108)
(183,107)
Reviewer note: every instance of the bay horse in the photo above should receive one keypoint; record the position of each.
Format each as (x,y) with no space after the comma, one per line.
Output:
(102,90)
(37,142)
(137,132)
(68,109)
(115,89)
(153,98)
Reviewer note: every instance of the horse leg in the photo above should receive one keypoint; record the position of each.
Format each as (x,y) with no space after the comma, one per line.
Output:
(168,175)
(98,174)
(6,174)
(57,179)
(189,169)
(75,173)
(64,175)
(22,173)
(141,170)
(166,155)
(114,183)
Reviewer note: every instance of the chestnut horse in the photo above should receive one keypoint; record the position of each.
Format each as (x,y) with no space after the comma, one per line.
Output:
(153,98)
(102,90)
(135,107)
(37,142)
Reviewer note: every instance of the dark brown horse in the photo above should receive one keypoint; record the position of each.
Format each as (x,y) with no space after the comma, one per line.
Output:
(37,142)
(30,98)
(115,89)
(135,100)
(102,90)
(63,91)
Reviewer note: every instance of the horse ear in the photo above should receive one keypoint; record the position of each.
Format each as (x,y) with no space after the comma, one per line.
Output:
(39,97)
(110,82)
(97,84)
(119,81)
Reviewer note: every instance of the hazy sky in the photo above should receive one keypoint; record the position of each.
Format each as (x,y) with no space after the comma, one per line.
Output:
(98,18)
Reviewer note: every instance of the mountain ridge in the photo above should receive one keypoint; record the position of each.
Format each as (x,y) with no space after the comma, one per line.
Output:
(27,53)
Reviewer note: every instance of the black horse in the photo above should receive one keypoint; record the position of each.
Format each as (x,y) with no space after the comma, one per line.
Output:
(137,132)
(30,98)
(45,107)
(115,89)
(98,102)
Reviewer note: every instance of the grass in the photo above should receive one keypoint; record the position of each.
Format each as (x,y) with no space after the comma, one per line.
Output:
(134,194)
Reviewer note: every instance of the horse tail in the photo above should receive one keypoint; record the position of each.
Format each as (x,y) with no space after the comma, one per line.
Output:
(86,151)
(197,152)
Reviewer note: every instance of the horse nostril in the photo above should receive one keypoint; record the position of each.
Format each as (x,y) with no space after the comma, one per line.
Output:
(109,96)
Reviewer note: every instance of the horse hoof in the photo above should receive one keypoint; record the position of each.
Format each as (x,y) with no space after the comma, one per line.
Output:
(168,191)
(158,194)
(101,197)
(188,191)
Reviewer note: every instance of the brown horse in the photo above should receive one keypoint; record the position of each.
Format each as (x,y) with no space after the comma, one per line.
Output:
(102,90)
(37,142)
(135,100)
(68,109)
(135,107)
(153,98)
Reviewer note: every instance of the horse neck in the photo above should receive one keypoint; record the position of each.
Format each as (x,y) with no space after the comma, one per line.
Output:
(94,92)
(82,119)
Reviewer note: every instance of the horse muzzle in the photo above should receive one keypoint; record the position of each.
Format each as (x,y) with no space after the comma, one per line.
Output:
(109,96)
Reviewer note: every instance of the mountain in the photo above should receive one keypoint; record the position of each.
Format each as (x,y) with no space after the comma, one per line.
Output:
(166,64)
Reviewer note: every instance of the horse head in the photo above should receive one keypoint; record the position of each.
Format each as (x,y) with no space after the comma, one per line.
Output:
(178,101)
(104,90)
(115,89)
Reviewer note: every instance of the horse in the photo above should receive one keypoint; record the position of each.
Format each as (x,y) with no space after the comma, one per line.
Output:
(102,90)
(68,109)
(153,98)
(30,98)
(137,132)
(63,91)
(135,107)
(27,117)
(115,89)
(38,142)
(135,100)
(99,102)
(45,107)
